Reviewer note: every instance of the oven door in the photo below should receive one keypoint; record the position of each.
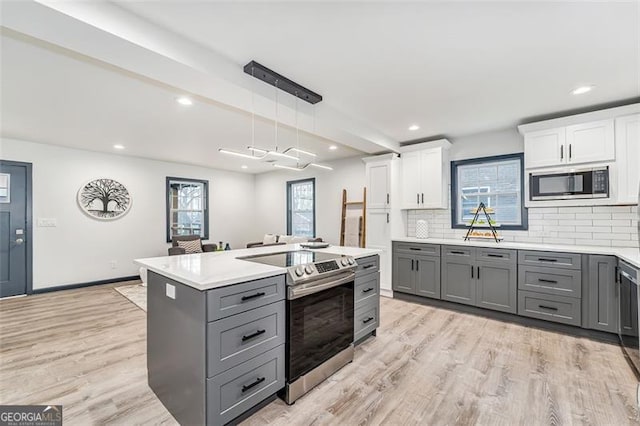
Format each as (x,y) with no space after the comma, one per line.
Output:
(319,324)
(628,324)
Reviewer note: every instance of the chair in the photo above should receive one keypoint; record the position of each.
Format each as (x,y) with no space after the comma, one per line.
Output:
(175,250)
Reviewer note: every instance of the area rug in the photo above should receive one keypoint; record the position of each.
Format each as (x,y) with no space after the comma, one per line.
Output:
(136,293)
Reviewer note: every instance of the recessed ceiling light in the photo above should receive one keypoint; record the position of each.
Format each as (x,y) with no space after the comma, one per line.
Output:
(118,146)
(333,147)
(244,166)
(414,127)
(582,89)
(184,101)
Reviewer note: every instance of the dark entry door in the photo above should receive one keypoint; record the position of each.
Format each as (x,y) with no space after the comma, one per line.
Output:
(13,228)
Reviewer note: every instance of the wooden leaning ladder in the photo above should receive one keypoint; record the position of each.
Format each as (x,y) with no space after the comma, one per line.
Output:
(363,219)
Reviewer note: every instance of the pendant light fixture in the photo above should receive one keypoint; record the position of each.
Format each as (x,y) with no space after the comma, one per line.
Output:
(280,83)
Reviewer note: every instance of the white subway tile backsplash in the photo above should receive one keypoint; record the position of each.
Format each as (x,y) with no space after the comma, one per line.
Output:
(593,226)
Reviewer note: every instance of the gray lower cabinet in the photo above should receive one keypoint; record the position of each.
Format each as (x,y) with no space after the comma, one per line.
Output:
(603,305)
(404,279)
(458,280)
(427,276)
(551,308)
(366,298)
(213,355)
(497,286)
(416,269)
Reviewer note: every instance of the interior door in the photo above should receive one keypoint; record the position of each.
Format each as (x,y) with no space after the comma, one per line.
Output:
(13,229)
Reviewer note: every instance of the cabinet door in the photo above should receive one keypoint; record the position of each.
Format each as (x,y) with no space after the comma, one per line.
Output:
(627,154)
(378,185)
(411,180)
(431,184)
(379,237)
(603,295)
(497,286)
(428,276)
(458,281)
(590,142)
(403,273)
(544,148)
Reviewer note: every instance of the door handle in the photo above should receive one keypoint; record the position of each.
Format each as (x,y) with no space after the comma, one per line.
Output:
(417,198)
(412,264)
(478,272)
(569,151)
(471,271)
(387,198)
(387,217)
(18,241)
(562,152)
(417,265)
(423,198)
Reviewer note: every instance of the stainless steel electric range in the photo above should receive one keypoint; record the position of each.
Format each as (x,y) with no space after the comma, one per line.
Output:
(319,316)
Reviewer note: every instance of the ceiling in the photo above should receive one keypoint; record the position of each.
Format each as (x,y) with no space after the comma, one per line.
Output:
(453,68)
(54,96)
(94,74)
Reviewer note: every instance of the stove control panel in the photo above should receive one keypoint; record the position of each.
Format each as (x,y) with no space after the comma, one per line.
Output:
(302,273)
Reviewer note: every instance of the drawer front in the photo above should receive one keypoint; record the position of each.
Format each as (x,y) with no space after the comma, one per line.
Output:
(567,282)
(238,338)
(460,253)
(235,391)
(501,256)
(551,308)
(418,248)
(367,265)
(367,288)
(366,319)
(550,259)
(237,298)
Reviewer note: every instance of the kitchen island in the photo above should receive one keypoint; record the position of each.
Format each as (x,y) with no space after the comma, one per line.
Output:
(216,328)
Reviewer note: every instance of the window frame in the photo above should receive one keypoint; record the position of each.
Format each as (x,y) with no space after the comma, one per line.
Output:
(289,207)
(205,209)
(524,214)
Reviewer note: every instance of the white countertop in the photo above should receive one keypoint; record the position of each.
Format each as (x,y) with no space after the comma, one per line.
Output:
(205,271)
(630,254)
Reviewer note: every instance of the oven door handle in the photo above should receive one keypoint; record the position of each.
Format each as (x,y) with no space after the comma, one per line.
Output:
(295,292)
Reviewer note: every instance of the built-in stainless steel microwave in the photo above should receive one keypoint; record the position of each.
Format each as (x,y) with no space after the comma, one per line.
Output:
(572,184)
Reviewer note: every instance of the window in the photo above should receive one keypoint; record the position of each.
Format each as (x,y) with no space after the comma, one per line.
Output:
(187,207)
(497,182)
(301,208)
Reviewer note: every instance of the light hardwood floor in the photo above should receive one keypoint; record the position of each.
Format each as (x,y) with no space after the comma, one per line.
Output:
(85,349)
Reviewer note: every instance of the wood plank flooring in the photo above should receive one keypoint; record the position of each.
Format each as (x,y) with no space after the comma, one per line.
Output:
(85,349)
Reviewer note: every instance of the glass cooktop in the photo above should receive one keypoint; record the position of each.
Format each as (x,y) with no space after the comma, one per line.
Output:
(287,259)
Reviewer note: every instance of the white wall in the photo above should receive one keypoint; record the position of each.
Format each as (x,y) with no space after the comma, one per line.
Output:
(80,248)
(271,197)
(500,142)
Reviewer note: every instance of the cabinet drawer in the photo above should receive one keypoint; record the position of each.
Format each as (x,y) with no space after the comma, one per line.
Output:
(367,265)
(367,288)
(237,298)
(550,281)
(366,319)
(238,338)
(550,259)
(551,308)
(419,248)
(502,256)
(458,252)
(233,392)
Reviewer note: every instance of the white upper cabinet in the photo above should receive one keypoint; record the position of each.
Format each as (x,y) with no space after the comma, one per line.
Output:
(544,148)
(628,154)
(590,142)
(378,185)
(425,176)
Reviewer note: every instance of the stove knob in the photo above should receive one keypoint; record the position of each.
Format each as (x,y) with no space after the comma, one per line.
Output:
(308,270)
(344,262)
(351,261)
(299,272)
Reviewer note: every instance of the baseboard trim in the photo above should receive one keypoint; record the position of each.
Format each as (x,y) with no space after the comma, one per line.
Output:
(571,330)
(87,284)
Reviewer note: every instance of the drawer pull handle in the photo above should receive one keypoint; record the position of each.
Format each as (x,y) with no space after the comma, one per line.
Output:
(251,385)
(367,290)
(551,308)
(253,296)
(456,252)
(368,266)
(415,248)
(494,255)
(364,321)
(546,259)
(542,280)
(251,336)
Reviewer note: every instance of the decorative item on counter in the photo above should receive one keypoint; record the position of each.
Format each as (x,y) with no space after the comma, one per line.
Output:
(422,229)
(227,247)
(220,247)
(489,224)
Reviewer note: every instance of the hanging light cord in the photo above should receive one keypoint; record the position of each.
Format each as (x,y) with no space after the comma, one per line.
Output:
(253,115)
(276,132)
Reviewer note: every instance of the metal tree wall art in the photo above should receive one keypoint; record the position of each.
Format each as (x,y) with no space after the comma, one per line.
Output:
(105,199)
